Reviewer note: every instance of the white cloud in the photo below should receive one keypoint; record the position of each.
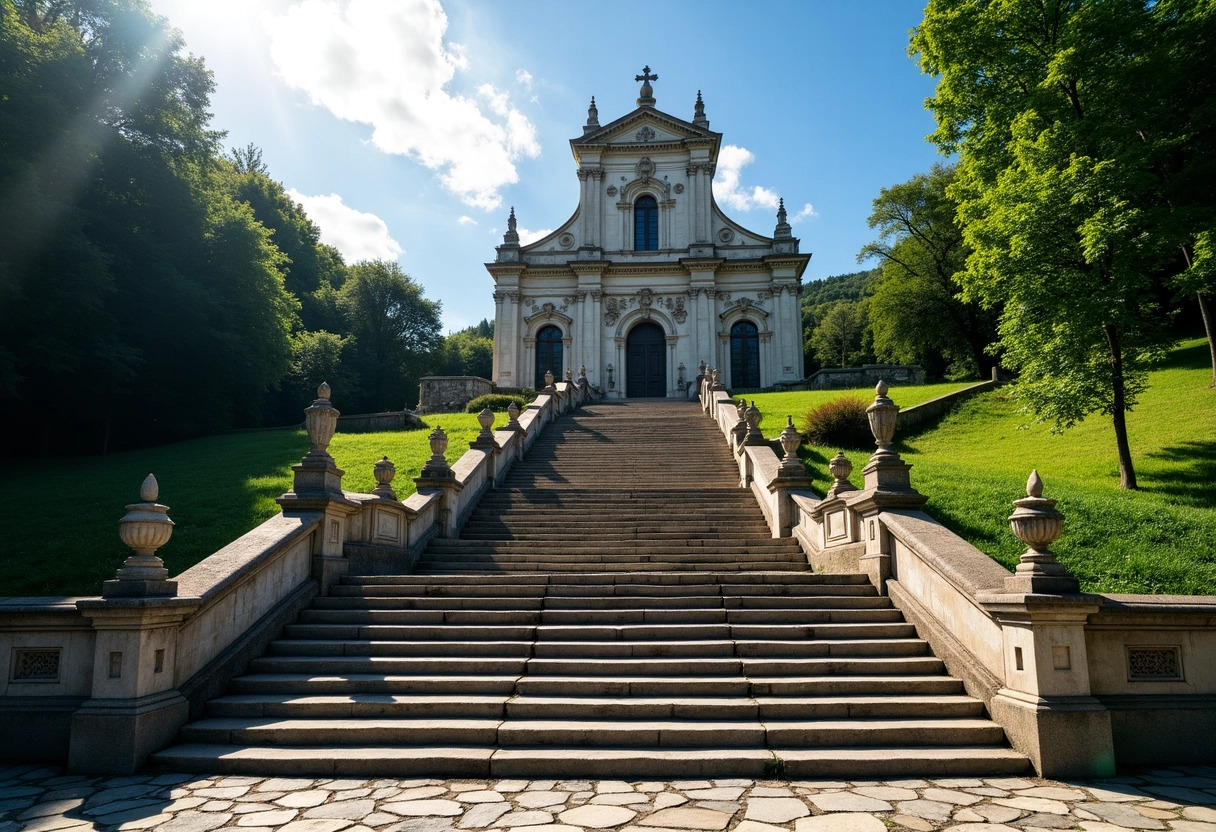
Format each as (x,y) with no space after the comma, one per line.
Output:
(807,212)
(731,161)
(358,235)
(526,236)
(523,78)
(387,65)
(466,220)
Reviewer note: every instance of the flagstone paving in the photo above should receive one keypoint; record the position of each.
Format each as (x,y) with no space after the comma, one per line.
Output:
(33,799)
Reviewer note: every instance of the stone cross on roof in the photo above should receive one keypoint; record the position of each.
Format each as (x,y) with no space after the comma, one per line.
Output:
(646,99)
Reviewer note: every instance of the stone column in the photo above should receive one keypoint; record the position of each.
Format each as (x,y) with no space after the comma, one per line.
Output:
(134,708)
(767,373)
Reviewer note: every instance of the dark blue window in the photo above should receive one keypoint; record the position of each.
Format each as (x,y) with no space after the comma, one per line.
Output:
(646,224)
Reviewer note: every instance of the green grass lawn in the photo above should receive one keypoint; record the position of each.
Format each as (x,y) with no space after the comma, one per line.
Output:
(217,488)
(776,406)
(1160,539)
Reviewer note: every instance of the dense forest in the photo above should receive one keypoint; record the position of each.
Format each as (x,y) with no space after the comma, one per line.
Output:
(154,286)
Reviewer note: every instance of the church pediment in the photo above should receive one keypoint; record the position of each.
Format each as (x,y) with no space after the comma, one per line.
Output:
(644,126)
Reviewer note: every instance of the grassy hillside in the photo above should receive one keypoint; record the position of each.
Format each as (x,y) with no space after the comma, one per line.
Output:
(1160,539)
(217,488)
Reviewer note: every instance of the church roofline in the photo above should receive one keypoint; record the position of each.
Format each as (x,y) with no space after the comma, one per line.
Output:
(598,137)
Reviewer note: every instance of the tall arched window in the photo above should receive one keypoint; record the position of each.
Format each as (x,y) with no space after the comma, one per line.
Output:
(646,224)
(744,355)
(548,354)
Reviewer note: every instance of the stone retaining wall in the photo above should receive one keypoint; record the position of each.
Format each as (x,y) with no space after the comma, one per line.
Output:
(447,394)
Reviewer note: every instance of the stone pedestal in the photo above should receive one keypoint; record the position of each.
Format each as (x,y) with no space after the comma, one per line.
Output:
(1046,706)
(135,709)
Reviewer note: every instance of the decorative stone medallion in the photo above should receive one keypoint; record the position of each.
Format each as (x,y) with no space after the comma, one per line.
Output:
(726,235)
(567,240)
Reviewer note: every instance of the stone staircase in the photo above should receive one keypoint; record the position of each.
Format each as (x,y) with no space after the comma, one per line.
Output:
(618,609)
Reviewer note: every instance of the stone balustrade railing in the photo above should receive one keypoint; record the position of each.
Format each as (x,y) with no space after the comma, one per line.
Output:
(103,682)
(1079,681)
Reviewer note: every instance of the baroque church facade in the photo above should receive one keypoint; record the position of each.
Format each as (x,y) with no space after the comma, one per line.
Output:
(649,277)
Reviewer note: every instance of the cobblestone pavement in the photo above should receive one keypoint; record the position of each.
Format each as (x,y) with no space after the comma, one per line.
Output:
(1181,799)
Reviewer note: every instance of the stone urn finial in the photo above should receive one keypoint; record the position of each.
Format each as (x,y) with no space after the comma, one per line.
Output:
(754,417)
(485,439)
(791,465)
(513,417)
(144,528)
(384,471)
(1038,524)
(582,373)
(548,379)
(321,420)
(569,375)
(883,414)
(840,467)
(437,466)
(739,429)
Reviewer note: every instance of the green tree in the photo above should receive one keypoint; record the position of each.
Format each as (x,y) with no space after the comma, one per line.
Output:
(1080,127)
(138,301)
(396,331)
(837,339)
(470,351)
(916,314)
(818,298)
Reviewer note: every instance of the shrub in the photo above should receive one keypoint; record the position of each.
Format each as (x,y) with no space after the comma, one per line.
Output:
(499,402)
(840,423)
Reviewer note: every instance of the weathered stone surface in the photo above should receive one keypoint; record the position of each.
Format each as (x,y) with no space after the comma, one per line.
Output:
(950,796)
(539,800)
(928,809)
(53,807)
(423,792)
(1051,793)
(1200,813)
(275,817)
(345,810)
(303,800)
(194,821)
(482,815)
(424,808)
(1046,821)
(840,822)
(146,822)
(1192,826)
(480,796)
(886,793)
(848,802)
(775,809)
(912,822)
(688,817)
(514,819)
(756,826)
(728,794)
(1033,804)
(317,825)
(597,817)
(422,825)
(668,799)
(1124,815)
(622,799)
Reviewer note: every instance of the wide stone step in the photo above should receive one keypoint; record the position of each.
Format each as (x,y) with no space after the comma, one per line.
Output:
(309,683)
(521,565)
(358,705)
(611,579)
(388,665)
(627,763)
(361,647)
(389,632)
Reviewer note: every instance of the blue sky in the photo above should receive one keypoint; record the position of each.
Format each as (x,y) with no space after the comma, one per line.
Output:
(408,128)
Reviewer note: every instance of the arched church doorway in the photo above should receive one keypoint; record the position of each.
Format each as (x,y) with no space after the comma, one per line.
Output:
(744,355)
(548,354)
(645,362)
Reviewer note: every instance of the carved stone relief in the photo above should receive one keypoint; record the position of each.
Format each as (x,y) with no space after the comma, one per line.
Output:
(644,135)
